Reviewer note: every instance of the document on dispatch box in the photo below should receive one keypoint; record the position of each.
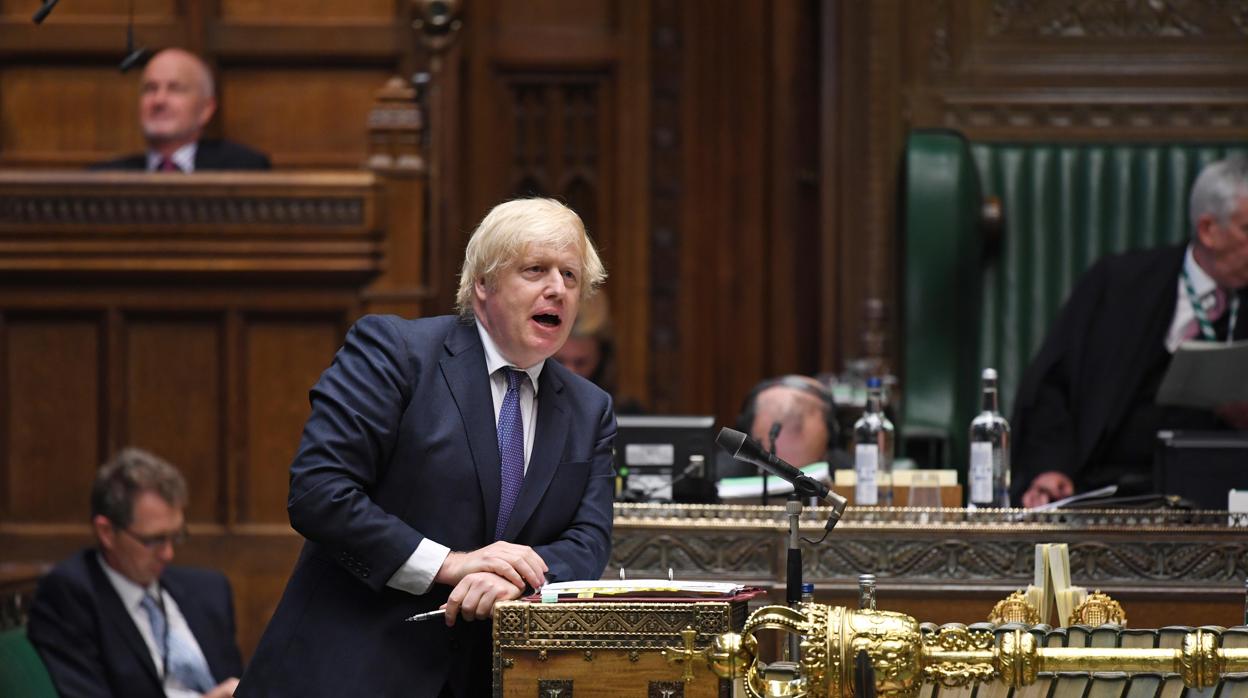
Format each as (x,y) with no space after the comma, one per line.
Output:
(1206,374)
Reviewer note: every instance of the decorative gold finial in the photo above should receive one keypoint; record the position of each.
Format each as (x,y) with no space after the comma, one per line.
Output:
(1098,609)
(1014,608)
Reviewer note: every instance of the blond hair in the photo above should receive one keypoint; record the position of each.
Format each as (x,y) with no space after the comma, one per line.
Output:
(509,229)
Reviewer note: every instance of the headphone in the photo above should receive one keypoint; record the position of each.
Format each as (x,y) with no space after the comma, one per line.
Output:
(749,409)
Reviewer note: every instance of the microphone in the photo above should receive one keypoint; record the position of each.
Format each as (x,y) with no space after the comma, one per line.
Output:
(774,434)
(133,55)
(43,11)
(743,448)
(131,59)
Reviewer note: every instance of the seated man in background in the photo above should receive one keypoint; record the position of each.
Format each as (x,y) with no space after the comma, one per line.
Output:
(1086,414)
(118,619)
(590,351)
(176,100)
(796,417)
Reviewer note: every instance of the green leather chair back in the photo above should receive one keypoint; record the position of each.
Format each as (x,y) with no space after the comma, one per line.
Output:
(942,267)
(22,672)
(1064,206)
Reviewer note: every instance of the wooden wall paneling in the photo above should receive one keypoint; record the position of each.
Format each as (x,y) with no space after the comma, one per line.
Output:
(446,98)
(667,180)
(629,280)
(35,104)
(792,225)
(722,241)
(93,9)
(54,428)
(302,117)
(283,356)
(327,11)
(865,141)
(174,381)
(834,177)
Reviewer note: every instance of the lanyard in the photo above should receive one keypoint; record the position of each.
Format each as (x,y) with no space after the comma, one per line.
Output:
(1202,318)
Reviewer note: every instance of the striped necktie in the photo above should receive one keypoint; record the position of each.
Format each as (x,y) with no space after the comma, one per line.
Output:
(510,448)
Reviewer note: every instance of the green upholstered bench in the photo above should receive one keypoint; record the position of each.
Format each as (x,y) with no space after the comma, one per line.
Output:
(970,300)
(22,672)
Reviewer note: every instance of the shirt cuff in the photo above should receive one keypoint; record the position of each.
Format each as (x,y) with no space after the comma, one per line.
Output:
(417,573)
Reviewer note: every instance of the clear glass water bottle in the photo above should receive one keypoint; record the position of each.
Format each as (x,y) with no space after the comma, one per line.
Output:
(873,451)
(989,475)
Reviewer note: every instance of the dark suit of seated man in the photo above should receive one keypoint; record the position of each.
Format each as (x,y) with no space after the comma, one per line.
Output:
(120,620)
(176,101)
(446,464)
(1085,414)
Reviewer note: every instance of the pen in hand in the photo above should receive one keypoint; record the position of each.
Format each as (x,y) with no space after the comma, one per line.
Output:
(428,615)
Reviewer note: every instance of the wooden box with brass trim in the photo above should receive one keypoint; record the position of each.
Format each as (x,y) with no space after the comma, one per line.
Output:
(590,649)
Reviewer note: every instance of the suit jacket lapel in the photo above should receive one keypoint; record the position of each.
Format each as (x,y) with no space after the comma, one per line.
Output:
(552,433)
(465,375)
(118,620)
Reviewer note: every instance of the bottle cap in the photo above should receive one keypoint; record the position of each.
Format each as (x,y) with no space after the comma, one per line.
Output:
(808,587)
(873,382)
(990,374)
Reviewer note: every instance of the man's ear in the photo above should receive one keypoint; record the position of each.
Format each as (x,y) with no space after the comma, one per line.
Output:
(1207,231)
(480,288)
(105,532)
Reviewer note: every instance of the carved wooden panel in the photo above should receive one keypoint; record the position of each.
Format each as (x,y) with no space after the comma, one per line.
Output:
(174,380)
(303,117)
(1118,18)
(560,133)
(53,392)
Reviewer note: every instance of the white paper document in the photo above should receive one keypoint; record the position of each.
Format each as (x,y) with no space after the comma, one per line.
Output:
(1206,374)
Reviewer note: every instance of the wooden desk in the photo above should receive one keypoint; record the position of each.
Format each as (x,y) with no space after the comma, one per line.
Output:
(1167,568)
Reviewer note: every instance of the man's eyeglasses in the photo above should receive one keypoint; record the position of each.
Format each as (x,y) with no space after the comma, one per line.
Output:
(158,541)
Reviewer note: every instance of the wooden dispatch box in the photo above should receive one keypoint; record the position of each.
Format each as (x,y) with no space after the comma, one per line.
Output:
(592,649)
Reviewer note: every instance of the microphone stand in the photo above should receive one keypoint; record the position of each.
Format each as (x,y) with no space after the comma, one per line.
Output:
(773,434)
(793,569)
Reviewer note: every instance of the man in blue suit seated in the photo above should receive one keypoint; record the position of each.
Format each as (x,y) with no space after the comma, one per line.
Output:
(120,620)
(446,464)
(176,101)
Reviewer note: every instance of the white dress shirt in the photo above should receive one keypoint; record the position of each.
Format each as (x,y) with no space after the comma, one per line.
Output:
(416,575)
(1204,286)
(132,597)
(183,157)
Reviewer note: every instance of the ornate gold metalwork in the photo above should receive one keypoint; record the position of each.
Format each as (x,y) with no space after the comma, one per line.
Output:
(964,651)
(953,656)
(1014,608)
(684,654)
(1098,609)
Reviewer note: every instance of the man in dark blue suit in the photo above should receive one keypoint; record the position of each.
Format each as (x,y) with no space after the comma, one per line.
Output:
(176,101)
(120,621)
(446,465)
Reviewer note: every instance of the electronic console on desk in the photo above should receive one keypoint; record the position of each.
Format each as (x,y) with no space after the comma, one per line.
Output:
(665,458)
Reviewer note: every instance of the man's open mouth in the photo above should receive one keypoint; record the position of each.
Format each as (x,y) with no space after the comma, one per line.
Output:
(548,320)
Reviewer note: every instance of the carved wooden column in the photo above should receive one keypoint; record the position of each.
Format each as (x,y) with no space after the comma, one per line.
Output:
(396,156)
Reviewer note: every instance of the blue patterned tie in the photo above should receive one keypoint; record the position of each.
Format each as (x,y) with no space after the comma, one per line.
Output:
(181,661)
(510,448)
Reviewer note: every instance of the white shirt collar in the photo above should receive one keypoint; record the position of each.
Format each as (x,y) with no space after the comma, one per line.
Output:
(131,593)
(183,157)
(494,360)
(1202,283)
